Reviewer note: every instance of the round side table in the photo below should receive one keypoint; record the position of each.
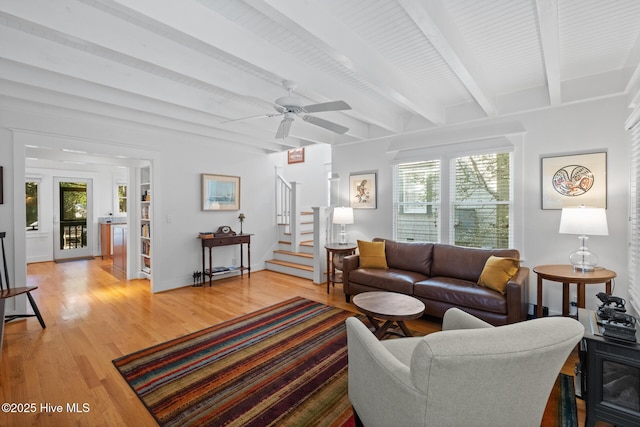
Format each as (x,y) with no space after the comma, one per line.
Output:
(566,275)
(337,249)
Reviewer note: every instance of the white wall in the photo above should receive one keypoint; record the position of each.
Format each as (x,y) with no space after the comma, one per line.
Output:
(594,126)
(178,162)
(310,174)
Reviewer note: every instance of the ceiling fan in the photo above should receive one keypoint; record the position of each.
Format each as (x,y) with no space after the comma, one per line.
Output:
(292,106)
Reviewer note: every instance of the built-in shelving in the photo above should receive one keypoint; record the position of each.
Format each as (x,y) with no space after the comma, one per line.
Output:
(145,221)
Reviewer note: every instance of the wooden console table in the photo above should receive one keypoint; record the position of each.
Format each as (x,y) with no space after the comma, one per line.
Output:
(213,242)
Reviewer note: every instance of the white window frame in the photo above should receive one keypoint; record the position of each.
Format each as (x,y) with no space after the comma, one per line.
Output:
(507,143)
(633,125)
(116,210)
(38,181)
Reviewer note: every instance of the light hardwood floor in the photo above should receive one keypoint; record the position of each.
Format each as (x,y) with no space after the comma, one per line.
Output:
(93,317)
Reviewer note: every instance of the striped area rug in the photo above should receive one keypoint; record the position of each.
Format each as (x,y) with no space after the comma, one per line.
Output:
(284,365)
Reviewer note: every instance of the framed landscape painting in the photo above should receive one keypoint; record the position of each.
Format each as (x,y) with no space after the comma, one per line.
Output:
(362,190)
(574,180)
(220,192)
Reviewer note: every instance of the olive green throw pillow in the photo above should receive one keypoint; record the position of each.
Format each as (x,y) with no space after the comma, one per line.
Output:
(372,254)
(497,272)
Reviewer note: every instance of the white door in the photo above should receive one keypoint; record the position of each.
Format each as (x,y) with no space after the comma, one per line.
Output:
(72,224)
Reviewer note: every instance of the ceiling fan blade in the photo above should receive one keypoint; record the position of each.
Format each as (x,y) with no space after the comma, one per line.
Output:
(334,127)
(327,106)
(283,129)
(260,116)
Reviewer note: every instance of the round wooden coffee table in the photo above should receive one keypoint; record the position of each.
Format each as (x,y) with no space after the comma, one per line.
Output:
(392,308)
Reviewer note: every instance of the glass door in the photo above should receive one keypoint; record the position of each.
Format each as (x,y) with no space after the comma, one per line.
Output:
(73,234)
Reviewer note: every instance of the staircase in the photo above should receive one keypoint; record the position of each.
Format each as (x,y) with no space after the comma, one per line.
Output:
(300,236)
(289,261)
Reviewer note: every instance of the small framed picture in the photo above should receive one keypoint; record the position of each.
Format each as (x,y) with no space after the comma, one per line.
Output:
(362,190)
(296,155)
(220,192)
(574,180)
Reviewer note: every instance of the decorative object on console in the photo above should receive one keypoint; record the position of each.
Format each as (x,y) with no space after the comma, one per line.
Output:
(241,218)
(220,192)
(362,190)
(582,221)
(574,180)
(343,216)
(614,320)
(224,230)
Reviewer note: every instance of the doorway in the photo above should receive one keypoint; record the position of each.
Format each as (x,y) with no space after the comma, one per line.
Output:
(72,233)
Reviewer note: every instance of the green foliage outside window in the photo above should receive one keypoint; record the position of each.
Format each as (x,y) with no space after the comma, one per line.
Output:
(31,202)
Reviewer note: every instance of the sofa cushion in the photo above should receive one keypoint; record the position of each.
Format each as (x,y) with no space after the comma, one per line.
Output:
(372,254)
(391,279)
(497,272)
(461,293)
(464,263)
(410,256)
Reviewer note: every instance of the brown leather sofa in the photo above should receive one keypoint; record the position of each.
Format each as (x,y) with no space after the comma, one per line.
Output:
(442,276)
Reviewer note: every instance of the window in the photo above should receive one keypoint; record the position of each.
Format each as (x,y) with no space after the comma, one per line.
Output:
(481,189)
(634,213)
(31,204)
(417,201)
(475,210)
(122,198)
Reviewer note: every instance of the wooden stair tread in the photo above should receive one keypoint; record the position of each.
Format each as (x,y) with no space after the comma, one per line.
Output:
(300,254)
(290,264)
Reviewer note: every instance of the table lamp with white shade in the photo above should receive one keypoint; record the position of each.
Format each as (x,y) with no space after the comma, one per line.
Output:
(343,216)
(584,221)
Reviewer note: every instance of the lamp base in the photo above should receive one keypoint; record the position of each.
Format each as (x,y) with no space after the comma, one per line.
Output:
(584,268)
(343,234)
(583,259)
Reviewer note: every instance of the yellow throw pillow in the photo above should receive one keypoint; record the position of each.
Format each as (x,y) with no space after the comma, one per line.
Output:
(497,272)
(372,254)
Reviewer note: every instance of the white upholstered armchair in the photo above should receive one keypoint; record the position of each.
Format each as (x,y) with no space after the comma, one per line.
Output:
(470,374)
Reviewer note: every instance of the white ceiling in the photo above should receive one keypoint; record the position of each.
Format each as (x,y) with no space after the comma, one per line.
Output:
(402,65)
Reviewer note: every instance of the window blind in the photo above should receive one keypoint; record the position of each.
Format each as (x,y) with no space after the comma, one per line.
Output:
(464,200)
(417,201)
(481,200)
(634,219)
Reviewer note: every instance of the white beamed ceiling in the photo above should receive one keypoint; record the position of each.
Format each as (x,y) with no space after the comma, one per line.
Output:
(195,66)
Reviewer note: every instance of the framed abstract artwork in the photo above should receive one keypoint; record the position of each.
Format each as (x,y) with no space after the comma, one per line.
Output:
(362,190)
(574,180)
(220,192)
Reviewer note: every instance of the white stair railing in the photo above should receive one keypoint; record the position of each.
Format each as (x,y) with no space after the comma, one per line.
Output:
(288,209)
(283,200)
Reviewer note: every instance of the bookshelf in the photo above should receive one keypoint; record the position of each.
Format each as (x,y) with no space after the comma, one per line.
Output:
(145,222)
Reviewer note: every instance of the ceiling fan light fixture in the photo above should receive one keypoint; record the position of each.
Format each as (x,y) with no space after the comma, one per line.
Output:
(290,101)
